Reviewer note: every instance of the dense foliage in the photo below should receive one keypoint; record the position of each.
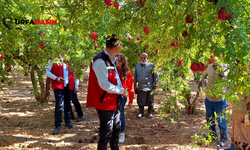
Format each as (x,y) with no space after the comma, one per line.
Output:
(170,31)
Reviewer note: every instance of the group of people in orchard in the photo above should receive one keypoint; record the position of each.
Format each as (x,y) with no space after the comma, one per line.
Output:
(111,83)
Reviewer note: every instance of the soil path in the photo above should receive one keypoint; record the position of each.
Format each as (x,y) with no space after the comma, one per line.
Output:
(26,124)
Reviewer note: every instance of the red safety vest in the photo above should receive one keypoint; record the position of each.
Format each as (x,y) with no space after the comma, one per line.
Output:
(97,97)
(57,70)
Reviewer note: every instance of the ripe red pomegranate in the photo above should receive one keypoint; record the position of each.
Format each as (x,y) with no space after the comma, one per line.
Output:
(129,38)
(146,30)
(138,39)
(116,5)
(142,2)
(94,36)
(203,67)
(180,63)
(96,46)
(9,69)
(223,15)
(188,19)
(108,2)
(195,67)
(210,61)
(184,34)
(42,45)
(174,44)
(1,56)
(168,112)
(176,105)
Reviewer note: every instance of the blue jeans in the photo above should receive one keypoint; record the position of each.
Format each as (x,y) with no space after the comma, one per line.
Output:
(123,119)
(218,107)
(62,100)
(78,108)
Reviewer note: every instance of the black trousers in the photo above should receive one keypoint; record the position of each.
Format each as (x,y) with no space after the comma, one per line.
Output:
(62,101)
(110,127)
(145,98)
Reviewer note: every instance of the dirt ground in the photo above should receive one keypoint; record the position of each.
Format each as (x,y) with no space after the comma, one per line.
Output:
(26,124)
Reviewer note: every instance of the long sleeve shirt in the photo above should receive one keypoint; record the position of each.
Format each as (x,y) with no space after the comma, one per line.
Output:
(145,76)
(65,74)
(128,84)
(212,74)
(101,73)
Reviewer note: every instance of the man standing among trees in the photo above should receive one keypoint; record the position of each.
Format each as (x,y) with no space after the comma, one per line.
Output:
(63,83)
(214,104)
(146,78)
(104,93)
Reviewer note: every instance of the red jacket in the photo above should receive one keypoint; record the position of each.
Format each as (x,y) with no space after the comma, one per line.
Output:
(128,84)
(57,70)
(97,97)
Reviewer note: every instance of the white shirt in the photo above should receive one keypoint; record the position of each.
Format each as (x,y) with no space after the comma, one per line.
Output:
(65,74)
(101,73)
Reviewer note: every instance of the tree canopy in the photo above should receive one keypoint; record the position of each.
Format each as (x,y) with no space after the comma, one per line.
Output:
(168,30)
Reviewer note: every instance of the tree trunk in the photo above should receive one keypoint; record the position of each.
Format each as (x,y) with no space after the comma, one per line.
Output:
(191,104)
(44,94)
(194,103)
(188,106)
(47,90)
(34,84)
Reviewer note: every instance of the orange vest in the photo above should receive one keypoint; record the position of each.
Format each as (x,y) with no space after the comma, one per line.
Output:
(57,70)
(97,97)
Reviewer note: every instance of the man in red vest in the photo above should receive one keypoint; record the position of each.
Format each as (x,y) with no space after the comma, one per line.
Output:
(104,93)
(63,83)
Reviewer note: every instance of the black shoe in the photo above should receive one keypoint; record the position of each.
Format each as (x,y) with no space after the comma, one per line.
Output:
(80,118)
(70,125)
(223,142)
(56,130)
